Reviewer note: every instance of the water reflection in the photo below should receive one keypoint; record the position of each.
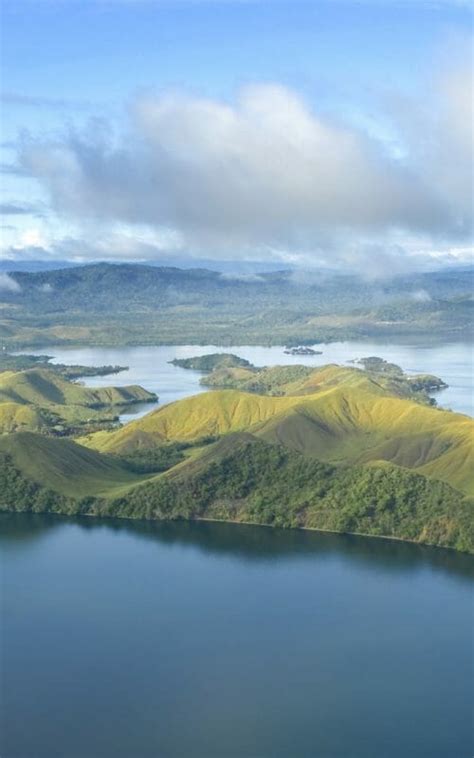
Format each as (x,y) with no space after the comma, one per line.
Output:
(251,543)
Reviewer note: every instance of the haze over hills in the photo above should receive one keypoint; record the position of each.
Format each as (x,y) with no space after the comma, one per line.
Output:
(136,304)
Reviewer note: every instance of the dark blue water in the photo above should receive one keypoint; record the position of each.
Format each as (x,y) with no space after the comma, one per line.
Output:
(211,640)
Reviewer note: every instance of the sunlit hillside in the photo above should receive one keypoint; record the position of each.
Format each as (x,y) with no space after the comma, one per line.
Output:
(348,419)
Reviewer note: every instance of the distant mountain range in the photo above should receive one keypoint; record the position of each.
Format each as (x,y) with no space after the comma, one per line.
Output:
(184,262)
(134,304)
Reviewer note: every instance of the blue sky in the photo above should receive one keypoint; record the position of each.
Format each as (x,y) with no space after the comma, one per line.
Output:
(368,85)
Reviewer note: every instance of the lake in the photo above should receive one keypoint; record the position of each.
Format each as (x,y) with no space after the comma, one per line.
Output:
(202,640)
(150,367)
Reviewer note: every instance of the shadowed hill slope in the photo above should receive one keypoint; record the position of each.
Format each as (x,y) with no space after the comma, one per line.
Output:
(355,421)
(63,466)
(48,400)
(43,387)
(238,478)
(15,416)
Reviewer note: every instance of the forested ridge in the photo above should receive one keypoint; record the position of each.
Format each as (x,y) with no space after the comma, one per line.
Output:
(255,482)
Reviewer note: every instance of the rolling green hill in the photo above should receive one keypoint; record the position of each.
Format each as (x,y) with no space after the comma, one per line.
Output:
(304,380)
(44,387)
(188,420)
(341,450)
(238,478)
(50,400)
(347,419)
(15,417)
(63,466)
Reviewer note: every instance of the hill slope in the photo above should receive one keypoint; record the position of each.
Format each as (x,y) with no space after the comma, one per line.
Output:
(49,400)
(305,380)
(238,478)
(44,387)
(344,452)
(347,423)
(15,417)
(63,466)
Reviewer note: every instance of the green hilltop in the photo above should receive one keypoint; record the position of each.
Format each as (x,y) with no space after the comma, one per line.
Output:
(333,448)
(301,380)
(38,399)
(341,415)
(64,466)
(238,478)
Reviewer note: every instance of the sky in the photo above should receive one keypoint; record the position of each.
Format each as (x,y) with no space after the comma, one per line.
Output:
(324,133)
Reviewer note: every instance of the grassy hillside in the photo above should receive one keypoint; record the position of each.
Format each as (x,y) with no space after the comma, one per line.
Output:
(188,420)
(63,466)
(339,449)
(15,417)
(238,478)
(44,387)
(52,401)
(304,380)
(348,418)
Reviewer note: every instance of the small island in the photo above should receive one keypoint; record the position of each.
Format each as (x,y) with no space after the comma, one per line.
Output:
(211,362)
(301,350)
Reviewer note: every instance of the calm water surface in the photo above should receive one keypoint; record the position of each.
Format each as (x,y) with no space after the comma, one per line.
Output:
(210,640)
(149,640)
(150,367)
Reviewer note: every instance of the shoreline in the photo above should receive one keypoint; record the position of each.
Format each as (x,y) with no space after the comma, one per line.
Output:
(365,535)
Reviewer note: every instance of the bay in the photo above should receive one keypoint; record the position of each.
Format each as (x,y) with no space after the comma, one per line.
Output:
(150,367)
(203,640)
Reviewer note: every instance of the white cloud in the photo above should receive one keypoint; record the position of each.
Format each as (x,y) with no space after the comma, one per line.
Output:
(421,296)
(8,283)
(264,176)
(32,238)
(242,276)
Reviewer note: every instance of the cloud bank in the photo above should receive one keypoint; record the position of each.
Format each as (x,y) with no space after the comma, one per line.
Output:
(266,174)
